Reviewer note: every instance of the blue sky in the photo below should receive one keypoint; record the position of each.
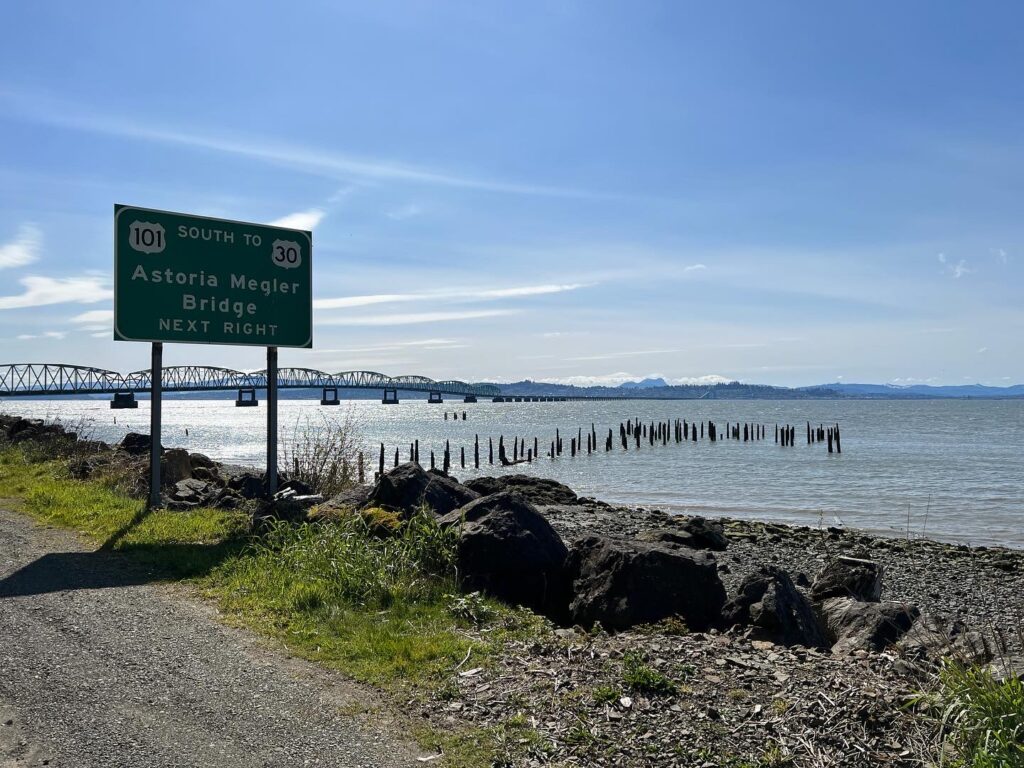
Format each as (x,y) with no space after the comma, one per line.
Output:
(788,193)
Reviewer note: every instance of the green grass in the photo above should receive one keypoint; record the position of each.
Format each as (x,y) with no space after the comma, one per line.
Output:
(376,608)
(982,718)
(383,609)
(175,545)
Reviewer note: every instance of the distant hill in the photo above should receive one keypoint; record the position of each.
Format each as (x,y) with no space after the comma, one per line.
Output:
(924,390)
(643,384)
(658,389)
(731,391)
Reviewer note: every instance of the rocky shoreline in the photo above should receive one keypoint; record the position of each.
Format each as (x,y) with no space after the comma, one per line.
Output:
(670,640)
(810,650)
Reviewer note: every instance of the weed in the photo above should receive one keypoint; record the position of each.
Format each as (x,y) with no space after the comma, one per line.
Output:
(644,679)
(471,608)
(606,694)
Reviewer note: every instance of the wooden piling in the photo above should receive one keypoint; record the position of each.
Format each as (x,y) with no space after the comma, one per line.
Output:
(362,474)
(380,468)
(490,450)
(396,457)
(476,451)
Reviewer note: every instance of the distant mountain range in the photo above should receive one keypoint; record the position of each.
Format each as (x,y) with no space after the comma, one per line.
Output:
(658,388)
(924,390)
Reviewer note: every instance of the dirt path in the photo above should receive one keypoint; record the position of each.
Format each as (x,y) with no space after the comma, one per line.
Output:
(98,668)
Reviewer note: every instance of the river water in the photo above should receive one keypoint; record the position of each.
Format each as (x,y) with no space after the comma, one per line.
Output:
(955,467)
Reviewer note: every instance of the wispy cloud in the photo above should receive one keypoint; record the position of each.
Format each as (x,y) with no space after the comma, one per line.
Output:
(415,318)
(23,249)
(1001,255)
(428,344)
(957,270)
(315,160)
(305,220)
(404,212)
(95,316)
(41,291)
(694,268)
(43,335)
(631,353)
(460,294)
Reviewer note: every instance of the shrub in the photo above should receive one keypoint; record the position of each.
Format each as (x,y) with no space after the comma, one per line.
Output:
(323,454)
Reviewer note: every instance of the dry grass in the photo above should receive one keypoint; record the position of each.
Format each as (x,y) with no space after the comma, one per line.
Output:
(323,453)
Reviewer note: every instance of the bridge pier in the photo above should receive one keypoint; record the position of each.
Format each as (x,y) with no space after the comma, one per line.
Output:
(124,400)
(435,397)
(469,399)
(390,396)
(246,397)
(330,396)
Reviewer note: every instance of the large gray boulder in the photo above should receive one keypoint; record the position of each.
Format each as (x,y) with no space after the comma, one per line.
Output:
(849,577)
(693,532)
(622,583)
(248,485)
(201,461)
(933,637)
(175,466)
(769,601)
(344,502)
(508,550)
(136,443)
(535,490)
(408,487)
(852,625)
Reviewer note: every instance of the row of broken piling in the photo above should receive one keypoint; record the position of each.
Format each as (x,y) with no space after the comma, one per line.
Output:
(633,432)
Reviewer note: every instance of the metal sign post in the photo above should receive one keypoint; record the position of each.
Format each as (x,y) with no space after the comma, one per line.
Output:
(272,420)
(155,397)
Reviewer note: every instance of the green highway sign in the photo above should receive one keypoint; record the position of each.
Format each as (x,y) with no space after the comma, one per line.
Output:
(197,280)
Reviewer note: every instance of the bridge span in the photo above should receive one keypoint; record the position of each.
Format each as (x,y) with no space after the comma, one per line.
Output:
(35,379)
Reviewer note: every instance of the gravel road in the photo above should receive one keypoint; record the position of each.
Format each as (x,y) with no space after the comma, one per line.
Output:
(99,668)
